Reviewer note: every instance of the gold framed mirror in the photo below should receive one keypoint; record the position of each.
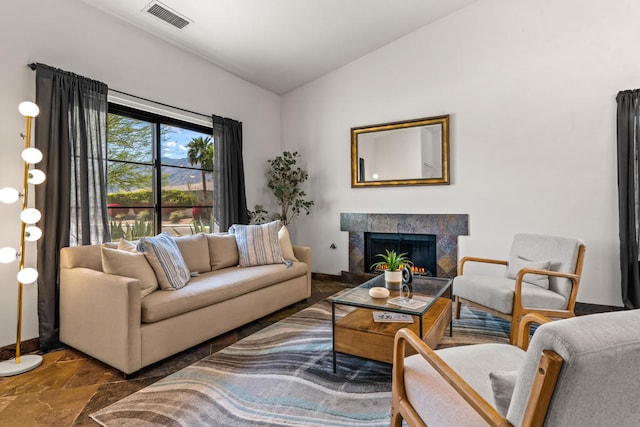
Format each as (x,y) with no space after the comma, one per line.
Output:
(410,152)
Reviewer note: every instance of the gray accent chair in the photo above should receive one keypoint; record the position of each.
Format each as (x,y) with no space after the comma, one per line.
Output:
(581,371)
(542,275)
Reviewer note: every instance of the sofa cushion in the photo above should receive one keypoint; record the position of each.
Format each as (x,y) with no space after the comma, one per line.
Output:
(166,260)
(125,245)
(130,264)
(217,286)
(223,251)
(285,244)
(258,244)
(195,251)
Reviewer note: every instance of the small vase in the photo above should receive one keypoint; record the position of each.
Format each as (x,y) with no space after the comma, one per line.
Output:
(393,279)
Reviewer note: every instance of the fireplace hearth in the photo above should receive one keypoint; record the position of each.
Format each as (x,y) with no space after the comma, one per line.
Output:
(445,227)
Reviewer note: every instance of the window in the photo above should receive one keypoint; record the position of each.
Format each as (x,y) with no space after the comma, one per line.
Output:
(159,175)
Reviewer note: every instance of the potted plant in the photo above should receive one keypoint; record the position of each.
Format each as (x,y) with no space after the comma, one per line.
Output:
(392,264)
(284,179)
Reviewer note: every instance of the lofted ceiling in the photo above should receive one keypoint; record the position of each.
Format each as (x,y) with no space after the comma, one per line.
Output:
(282,44)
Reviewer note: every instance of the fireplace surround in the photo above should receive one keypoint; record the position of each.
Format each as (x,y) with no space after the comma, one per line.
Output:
(446,228)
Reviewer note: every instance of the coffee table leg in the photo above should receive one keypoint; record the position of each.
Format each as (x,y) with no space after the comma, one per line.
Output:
(333,334)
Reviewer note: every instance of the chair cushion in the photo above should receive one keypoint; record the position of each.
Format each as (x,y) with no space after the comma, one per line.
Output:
(518,263)
(561,251)
(166,260)
(497,293)
(436,401)
(258,244)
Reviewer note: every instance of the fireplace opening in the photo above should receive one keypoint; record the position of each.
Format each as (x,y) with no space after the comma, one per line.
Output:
(420,249)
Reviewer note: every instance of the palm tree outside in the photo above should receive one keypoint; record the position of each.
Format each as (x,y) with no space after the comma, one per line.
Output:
(200,152)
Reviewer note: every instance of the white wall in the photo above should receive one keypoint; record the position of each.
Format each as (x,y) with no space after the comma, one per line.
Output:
(70,35)
(530,87)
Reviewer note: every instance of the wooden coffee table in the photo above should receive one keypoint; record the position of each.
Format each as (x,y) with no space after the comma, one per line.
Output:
(357,334)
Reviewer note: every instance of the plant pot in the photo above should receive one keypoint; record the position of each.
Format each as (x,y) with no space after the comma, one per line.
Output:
(393,279)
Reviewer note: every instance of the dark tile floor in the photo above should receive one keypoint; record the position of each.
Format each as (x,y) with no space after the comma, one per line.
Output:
(69,385)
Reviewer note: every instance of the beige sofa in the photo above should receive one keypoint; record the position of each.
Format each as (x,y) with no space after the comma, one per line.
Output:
(104,316)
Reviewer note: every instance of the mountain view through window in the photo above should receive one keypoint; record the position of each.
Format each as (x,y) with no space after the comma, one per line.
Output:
(159,175)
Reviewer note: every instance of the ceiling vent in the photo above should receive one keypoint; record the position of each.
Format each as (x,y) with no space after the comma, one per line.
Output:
(167,14)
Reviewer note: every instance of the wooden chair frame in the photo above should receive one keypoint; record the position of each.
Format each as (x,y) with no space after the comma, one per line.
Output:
(542,387)
(519,310)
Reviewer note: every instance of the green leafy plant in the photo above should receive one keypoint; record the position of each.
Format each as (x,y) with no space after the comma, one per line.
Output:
(259,215)
(284,179)
(392,261)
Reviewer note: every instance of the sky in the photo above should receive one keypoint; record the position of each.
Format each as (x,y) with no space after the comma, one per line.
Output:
(174,143)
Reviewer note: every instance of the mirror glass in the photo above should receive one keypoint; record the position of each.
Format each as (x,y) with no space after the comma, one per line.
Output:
(411,152)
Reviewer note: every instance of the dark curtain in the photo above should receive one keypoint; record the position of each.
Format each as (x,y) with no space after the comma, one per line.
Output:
(229,200)
(71,132)
(628,127)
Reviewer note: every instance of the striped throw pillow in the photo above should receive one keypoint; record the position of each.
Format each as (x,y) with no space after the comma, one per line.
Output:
(166,260)
(258,244)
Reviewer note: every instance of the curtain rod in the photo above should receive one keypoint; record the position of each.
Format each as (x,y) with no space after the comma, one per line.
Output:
(33,66)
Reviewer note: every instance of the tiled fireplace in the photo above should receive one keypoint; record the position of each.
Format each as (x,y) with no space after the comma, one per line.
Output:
(445,227)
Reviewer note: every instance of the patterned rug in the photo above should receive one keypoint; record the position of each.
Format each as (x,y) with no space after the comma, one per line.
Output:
(282,376)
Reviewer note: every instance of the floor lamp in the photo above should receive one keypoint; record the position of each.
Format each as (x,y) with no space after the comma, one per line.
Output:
(29,217)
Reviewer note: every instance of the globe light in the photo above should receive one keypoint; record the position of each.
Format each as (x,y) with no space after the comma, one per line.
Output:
(28,109)
(8,255)
(9,195)
(27,275)
(31,155)
(32,233)
(36,176)
(30,216)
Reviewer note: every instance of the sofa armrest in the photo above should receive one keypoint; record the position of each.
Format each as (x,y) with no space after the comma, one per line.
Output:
(303,254)
(100,315)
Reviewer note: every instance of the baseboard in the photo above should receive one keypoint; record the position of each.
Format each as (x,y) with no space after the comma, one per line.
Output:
(587,308)
(29,346)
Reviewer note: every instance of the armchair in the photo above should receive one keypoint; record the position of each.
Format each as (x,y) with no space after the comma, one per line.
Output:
(542,275)
(578,371)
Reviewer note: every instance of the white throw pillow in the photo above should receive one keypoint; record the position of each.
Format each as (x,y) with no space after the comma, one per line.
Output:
(517,264)
(130,264)
(285,244)
(166,260)
(258,244)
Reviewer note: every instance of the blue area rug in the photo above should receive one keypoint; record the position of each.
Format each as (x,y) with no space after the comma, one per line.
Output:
(281,376)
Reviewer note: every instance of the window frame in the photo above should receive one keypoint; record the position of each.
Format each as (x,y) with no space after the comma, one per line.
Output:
(157,120)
